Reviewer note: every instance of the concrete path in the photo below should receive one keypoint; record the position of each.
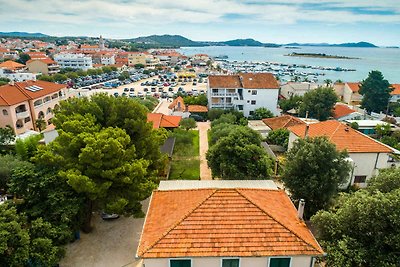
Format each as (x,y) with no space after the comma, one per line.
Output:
(162,107)
(205,172)
(110,244)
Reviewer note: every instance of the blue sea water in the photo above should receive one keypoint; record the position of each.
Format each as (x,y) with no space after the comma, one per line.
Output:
(386,60)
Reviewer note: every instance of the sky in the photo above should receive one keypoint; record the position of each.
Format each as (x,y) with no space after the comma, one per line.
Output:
(274,21)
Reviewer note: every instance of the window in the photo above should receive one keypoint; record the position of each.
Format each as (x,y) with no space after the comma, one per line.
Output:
(230,262)
(279,262)
(240,107)
(251,112)
(180,263)
(254,92)
(5,112)
(253,102)
(358,179)
(27,119)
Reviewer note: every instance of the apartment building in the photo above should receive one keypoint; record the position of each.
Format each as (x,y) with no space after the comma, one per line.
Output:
(75,61)
(348,92)
(45,66)
(143,58)
(15,71)
(244,92)
(22,103)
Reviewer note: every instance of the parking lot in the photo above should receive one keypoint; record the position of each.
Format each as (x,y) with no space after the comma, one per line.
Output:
(140,89)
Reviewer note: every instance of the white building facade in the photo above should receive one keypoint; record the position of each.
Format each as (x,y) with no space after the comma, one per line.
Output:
(75,61)
(244,92)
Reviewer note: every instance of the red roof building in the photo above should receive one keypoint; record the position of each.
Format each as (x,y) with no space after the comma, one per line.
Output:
(210,224)
(160,120)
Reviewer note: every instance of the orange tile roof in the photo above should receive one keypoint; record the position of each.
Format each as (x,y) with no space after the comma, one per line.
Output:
(37,55)
(197,108)
(244,80)
(355,87)
(284,121)
(396,90)
(17,93)
(343,136)
(341,110)
(224,222)
(47,61)
(164,121)
(11,65)
(174,104)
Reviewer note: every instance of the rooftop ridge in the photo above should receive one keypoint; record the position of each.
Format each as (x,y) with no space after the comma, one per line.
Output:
(177,223)
(268,214)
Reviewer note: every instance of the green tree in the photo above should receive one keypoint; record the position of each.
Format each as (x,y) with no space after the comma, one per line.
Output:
(72,75)
(123,76)
(81,73)
(106,69)
(40,124)
(107,151)
(375,91)
(318,103)
(23,58)
(188,123)
(278,137)
(139,66)
(48,196)
(294,102)
(14,237)
(261,113)
(328,82)
(8,163)
(221,130)
(59,77)
(196,100)
(91,72)
(362,229)
(215,113)
(224,118)
(239,155)
(46,78)
(4,81)
(314,170)
(25,149)
(7,135)
(383,129)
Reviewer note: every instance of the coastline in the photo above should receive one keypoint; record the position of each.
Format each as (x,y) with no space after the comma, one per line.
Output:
(319,55)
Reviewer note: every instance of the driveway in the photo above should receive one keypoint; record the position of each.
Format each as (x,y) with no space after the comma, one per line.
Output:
(205,172)
(162,107)
(110,244)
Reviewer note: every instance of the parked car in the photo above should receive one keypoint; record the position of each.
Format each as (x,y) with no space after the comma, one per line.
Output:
(140,94)
(196,117)
(132,89)
(116,94)
(132,95)
(106,216)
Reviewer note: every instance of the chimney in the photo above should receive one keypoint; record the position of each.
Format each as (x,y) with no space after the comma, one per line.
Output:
(306,131)
(11,82)
(300,210)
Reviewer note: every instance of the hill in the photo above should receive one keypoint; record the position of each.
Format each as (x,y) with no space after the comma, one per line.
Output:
(23,34)
(166,40)
(243,42)
(359,44)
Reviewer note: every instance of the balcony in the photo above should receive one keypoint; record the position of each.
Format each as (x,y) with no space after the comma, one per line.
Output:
(222,105)
(22,114)
(224,94)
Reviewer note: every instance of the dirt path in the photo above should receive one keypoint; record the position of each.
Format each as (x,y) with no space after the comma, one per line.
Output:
(205,172)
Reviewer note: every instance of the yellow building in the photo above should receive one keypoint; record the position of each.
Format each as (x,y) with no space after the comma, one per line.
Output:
(45,66)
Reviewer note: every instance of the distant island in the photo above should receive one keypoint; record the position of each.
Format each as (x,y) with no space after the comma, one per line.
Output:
(176,41)
(319,55)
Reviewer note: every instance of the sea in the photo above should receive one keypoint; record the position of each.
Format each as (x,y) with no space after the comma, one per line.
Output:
(386,60)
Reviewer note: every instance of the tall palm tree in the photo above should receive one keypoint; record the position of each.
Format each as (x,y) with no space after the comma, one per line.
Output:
(328,82)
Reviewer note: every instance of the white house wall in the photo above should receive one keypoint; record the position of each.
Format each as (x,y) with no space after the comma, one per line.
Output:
(297,261)
(265,98)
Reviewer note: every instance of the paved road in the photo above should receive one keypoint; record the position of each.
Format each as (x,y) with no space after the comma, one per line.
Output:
(163,107)
(111,243)
(205,172)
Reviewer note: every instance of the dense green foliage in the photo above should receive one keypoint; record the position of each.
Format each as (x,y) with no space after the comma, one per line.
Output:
(26,148)
(187,123)
(23,58)
(375,91)
(8,163)
(107,151)
(196,100)
(362,229)
(261,113)
(236,151)
(314,171)
(7,135)
(318,103)
(278,137)
(294,102)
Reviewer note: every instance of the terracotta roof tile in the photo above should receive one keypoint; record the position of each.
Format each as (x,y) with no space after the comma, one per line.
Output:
(244,80)
(174,104)
(17,93)
(355,87)
(11,65)
(341,110)
(47,61)
(224,222)
(284,121)
(197,108)
(343,136)
(164,121)
(396,89)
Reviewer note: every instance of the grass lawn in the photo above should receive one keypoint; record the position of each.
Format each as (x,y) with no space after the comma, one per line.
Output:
(185,160)
(185,170)
(186,144)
